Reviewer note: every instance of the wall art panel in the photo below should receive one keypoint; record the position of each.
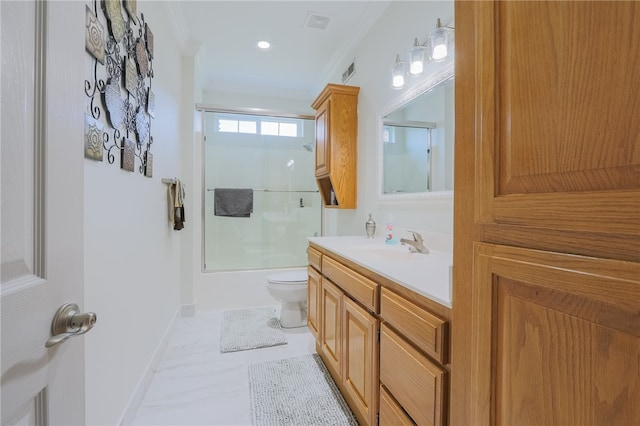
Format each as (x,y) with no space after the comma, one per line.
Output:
(120,86)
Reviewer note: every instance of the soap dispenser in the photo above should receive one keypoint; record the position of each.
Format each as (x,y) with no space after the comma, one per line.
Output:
(389,236)
(370,227)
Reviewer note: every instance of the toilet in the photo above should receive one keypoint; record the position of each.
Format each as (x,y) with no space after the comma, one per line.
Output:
(290,289)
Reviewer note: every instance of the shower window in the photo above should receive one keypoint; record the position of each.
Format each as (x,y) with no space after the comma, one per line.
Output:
(275,159)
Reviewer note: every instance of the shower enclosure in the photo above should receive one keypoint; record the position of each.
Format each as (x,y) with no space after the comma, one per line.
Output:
(272,155)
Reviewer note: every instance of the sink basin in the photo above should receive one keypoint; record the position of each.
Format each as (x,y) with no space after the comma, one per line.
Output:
(388,253)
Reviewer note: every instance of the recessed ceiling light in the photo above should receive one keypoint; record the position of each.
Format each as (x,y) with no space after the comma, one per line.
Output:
(263,45)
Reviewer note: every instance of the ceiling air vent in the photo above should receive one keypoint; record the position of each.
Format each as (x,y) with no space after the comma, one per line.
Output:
(351,69)
(317,21)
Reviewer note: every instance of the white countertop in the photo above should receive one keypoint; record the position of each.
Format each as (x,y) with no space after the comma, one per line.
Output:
(426,274)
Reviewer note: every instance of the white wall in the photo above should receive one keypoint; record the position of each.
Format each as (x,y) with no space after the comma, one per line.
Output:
(393,34)
(132,254)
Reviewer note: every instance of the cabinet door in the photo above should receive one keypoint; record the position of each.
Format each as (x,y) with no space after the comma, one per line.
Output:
(558,125)
(323,145)
(360,360)
(330,331)
(557,338)
(313,301)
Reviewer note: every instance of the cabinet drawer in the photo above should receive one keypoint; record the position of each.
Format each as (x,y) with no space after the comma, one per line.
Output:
(391,414)
(422,328)
(360,288)
(315,258)
(415,382)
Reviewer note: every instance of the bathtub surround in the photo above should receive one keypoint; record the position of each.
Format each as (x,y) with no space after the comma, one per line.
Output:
(296,391)
(245,329)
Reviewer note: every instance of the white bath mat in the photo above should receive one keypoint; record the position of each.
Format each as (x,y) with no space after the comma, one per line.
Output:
(254,328)
(296,392)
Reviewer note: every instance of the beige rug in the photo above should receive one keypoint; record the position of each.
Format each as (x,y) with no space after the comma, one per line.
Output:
(296,391)
(245,329)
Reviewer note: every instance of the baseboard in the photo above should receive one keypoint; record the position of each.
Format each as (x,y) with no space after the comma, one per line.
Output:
(189,310)
(138,395)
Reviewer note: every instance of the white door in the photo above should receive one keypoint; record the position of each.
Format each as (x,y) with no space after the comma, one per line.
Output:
(42,210)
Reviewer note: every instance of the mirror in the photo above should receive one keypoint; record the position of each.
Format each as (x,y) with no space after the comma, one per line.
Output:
(416,143)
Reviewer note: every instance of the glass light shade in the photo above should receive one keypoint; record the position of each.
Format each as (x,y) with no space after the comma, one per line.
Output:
(416,58)
(398,74)
(440,40)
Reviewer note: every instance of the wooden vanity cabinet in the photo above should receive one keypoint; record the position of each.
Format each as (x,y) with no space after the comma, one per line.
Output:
(330,348)
(348,336)
(413,356)
(387,351)
(360,360)
(313,291)
(313,301)
(391,413)
(336,145)
(416,382)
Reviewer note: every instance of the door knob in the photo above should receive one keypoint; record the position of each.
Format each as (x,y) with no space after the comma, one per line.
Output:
(67,322)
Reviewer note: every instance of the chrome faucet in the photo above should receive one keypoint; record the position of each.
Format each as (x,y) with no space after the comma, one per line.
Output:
(416,245)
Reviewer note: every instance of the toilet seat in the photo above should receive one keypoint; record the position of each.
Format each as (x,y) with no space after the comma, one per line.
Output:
(289,277)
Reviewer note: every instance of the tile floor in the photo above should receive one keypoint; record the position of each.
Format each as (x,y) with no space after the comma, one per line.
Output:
(195,384)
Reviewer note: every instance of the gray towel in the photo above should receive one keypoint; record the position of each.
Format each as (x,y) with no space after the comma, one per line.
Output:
(233,202)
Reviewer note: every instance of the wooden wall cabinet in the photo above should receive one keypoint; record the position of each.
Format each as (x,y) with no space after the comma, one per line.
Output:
(336,145)
(547,214)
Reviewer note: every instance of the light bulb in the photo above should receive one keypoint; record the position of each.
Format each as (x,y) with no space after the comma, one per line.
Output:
(398,81)
(416,67)
(397,74)
(416,58)
(439,52)
(439,40)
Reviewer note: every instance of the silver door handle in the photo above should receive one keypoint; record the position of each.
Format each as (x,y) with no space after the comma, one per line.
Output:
(68,322)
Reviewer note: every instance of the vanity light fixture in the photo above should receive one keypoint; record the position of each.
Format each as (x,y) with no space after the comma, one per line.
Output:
(437,48)
(416,58)
(440,42)
(398,74)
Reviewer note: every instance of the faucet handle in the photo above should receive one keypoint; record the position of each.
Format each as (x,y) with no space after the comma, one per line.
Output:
(416,236)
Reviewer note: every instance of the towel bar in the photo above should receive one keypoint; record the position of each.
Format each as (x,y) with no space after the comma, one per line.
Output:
(271,190)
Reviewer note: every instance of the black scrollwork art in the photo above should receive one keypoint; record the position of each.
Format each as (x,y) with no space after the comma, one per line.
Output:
(120,85)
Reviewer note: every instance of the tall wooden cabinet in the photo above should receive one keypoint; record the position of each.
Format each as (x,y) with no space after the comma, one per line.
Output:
(336,145)
(546,287)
